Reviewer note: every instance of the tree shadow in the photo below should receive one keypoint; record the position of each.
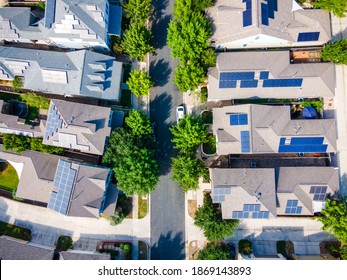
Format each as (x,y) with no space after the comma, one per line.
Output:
(160,72)
(169,247)
(159,30)
(159,7)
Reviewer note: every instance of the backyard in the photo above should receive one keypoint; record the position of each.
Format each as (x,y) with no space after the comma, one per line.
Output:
(8,177)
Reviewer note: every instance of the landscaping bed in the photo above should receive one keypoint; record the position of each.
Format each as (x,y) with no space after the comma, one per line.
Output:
(143,250)
(209,148)
(15,231)
(8,177)
(142,207)
(286,248)
(119,250)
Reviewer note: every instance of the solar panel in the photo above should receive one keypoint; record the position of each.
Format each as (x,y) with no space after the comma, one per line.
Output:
(247,18)
(283,82)
(251,207)
(219,193)
(227,84)
(236,76)
(49,13)
(238,119)
(271,8)
(264,75)
(54,121)
(318,189)
(264,14)
(63,183)
(292,207)
(245,143)
(308,36)
(303,145)
(307,140)
(249,84)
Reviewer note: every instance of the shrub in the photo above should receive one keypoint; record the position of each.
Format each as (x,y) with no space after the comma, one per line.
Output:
(245,247)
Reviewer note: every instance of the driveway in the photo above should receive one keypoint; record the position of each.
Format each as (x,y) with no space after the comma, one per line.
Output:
(167,201)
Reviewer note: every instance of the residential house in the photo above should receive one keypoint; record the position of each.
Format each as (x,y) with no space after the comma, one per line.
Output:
(261,193)
(66,187)
(76,73)
(69,24)
(78,126)
(267,23)
(14,124)
(15,249)
(256,129)
(268,74)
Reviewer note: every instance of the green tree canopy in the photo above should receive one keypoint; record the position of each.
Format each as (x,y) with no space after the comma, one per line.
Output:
(215,251)
(189,76)
(184,8)
(139,82)
(189,133)
(134,165)
(138,10)
(188,38)
(210,220)
(137,41)
(337,7)
(335,52)
(139,123)
(35,100)
(187,170)
(17,84)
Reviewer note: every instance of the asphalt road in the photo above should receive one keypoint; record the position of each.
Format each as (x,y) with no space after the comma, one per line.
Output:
(167,201)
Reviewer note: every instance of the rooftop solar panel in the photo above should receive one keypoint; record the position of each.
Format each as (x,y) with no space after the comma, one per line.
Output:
(238,119)
(307,140)
(54,121)
(245,142)
(236,76)
(297,82)
(247,18)
(49,13)
(249,84)
(292,207)
(308,36)
(264,75)
(227,84)
(264,14)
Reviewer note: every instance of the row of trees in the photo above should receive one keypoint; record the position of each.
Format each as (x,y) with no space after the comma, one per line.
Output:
(337,7)
(138,37)
(188,134)
(20,143)
(188,37)
(130,153)
(336,52)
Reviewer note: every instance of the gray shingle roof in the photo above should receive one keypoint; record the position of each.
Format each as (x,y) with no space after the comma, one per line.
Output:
(84,127)
(318,79)
(79,73)
(227,17)
(81,255)
(13,249)
(267,124)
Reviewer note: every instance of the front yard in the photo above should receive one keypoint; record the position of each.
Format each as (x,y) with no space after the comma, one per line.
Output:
(8,177)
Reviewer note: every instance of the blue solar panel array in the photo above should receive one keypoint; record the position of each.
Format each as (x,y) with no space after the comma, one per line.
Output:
(247,14)
(54,122)
(236,76)
(319,192)
(268,11)
(238,119)
(227,84)
(292,207)
(245,142)
(264,75)
(219,194)
(49,13)
(295,82)
(303,145)
(308,36)
(249,84)
(254,209)
(63,183)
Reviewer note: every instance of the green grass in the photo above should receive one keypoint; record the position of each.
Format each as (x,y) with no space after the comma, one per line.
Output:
(126,98)
(8,177)
(15,231)
(142,211)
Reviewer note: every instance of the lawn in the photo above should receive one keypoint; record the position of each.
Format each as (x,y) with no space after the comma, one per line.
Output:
(142,211)
(15,231)
(8,177)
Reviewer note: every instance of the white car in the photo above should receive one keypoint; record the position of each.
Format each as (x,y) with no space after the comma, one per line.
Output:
(179,113)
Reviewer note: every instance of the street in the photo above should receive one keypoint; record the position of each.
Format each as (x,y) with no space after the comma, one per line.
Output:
(167,201)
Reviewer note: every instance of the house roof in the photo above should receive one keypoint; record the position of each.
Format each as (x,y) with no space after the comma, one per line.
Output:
(268,126)
(36,168)
(80,189)
(82,255)
(284,80)
(247,186)
(235,19)
(294,183)
(271,189)
(12,124)
(14,249)
(80,73)
(78,126)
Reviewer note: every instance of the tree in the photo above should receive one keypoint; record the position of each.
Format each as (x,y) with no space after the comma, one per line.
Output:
(335,52)
(189,133)
(215,251)
(34,100)
(139,124)
(189,38)
(189,76)
(15,142)
(139,82)
(36,145)
(334,218)
(134,165)
(138,10)
(210,220)
(137,41)
(187,170)
(17,84)
(183,8)
(337,7)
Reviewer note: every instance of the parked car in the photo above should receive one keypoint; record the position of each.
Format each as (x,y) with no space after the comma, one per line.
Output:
(180,112)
